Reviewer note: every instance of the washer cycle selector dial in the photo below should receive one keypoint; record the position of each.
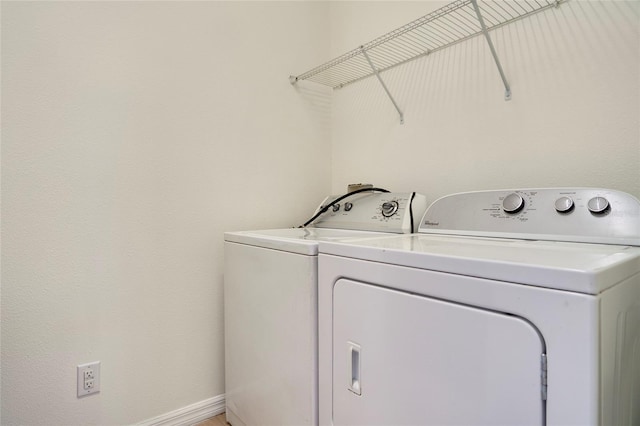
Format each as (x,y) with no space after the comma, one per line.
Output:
(512,203)
(598,205)
(389,208)
(348,206)
(564,205)
(336,207)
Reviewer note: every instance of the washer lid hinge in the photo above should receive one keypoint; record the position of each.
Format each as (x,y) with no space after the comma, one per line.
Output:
(543,375)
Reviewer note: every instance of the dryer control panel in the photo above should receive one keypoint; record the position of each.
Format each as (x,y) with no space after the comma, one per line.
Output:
(588,215)
(397,212)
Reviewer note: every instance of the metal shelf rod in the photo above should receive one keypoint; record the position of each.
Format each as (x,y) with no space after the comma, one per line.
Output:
(364,52)
(507,88)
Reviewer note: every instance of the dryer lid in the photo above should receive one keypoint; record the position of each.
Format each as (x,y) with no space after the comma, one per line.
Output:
(584,268)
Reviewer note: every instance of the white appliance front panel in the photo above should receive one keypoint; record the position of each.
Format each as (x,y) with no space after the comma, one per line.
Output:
(270,336)
(568,322)
(422,361)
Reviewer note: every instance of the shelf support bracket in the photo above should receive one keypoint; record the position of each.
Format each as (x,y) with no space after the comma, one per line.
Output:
(384,86)
(507,88)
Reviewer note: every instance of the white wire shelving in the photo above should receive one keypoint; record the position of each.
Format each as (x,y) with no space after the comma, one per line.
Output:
(454,23)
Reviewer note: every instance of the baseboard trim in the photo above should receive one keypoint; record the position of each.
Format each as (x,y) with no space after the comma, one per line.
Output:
(189,415)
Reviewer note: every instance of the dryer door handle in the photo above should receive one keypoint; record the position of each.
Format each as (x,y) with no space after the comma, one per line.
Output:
(353,361)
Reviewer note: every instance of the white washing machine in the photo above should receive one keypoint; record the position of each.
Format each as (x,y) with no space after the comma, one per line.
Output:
(507,308)
(270,297)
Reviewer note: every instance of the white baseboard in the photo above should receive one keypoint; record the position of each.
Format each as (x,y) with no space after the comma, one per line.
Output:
(189,415)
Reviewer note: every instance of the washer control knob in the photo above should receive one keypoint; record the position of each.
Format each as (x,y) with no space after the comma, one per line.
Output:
(336,207)
(564,205)
(348,206)
(598,205)
(389,208)
(512,203)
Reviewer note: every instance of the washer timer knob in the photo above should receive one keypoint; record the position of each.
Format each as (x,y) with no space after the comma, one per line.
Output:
(564,205)
(389,208)
(598,205)
(512,203)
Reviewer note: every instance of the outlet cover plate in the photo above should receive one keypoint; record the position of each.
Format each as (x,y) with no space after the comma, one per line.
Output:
(88,385)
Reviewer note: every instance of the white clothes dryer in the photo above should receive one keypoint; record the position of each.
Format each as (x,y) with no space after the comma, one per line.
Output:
(270,298)
(507,308)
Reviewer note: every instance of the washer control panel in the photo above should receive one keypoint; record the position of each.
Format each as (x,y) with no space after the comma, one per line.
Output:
(591,215)
(389,208)
(398,212)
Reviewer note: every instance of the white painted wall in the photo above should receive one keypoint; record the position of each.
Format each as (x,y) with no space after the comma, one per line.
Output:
(133,135)
(574,119)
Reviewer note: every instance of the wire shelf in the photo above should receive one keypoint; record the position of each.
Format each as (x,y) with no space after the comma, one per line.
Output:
(456,22)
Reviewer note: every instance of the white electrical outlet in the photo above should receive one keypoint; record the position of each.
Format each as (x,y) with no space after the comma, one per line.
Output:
(88,378)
